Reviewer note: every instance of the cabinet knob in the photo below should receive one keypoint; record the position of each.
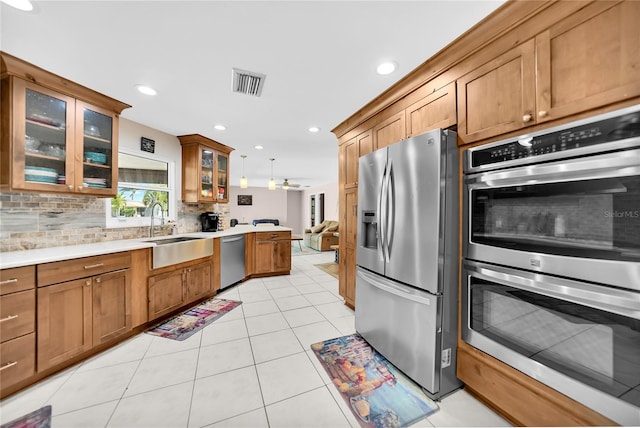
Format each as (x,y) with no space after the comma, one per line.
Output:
(79,187)
(542,113)
(526,118)
(98,279)
(70,187)
(87,282)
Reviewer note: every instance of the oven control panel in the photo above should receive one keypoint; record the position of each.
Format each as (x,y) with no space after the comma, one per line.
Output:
(559,139)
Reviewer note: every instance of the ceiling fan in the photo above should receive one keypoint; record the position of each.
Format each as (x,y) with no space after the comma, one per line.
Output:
(286,185)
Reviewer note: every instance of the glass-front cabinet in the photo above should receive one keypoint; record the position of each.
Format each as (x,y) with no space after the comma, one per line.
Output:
(52,141)
(205,169)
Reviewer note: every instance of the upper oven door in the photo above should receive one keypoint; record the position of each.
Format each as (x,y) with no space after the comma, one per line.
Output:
(578,218)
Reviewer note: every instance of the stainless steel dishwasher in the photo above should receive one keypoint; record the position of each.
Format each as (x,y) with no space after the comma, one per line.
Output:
(231,260)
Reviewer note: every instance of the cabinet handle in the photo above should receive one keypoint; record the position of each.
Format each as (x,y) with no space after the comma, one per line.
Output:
(542,113)
(97,265)
(526,118)
(9,281)
(10,317)
(10,364)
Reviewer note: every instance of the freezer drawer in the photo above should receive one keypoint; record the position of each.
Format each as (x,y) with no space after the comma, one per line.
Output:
(402,324)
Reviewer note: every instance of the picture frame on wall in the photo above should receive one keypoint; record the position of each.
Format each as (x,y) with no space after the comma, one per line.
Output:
(245,200)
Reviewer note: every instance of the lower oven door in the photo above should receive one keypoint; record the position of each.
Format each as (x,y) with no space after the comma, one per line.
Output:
(578,338)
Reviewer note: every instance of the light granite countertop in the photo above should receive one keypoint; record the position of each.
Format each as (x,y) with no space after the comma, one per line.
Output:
(13,259)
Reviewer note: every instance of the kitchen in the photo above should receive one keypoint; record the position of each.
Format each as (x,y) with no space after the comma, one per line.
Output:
(389,126)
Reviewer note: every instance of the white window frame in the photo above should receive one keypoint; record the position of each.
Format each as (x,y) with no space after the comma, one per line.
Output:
(115,222)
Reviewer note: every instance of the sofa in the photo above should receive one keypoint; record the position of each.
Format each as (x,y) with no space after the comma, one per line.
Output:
(321,237)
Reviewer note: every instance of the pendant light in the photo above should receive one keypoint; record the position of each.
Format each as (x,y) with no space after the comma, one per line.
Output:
(272,182)
(243,180)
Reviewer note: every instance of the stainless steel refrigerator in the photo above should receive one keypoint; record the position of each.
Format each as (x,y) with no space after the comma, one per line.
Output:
(407,257)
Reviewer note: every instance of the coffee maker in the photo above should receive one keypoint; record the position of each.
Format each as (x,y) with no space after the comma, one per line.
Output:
(209,221)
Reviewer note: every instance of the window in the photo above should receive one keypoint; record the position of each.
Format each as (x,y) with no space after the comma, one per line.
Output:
(142,182)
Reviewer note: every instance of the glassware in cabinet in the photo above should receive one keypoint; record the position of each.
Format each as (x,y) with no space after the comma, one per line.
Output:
(207,168)
(98,155)
(223,175)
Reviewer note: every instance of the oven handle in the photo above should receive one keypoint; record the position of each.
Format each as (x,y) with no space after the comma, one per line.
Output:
(608,299)
(609,165)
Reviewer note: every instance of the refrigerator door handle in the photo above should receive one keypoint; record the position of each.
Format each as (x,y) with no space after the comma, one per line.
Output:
(379,230)
(382,210)
(390,288)
(390,210)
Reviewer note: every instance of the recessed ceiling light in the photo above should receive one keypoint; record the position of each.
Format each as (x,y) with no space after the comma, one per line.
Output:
(258,147)
(147,90)
(314,129)
(20,4)
(387,67)
(220,127)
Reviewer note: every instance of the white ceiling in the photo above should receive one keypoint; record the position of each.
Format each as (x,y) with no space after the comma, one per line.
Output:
(319,58)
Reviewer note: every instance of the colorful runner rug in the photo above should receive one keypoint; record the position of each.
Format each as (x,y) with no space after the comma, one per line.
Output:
(40,418)
(195,319)
(378,394)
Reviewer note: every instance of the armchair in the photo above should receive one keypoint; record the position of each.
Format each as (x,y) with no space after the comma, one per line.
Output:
(321,237)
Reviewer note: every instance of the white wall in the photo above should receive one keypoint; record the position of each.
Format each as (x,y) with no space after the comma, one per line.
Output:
(331,202)
(266,204)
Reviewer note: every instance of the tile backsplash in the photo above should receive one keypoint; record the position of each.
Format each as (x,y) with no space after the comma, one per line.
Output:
(31,220)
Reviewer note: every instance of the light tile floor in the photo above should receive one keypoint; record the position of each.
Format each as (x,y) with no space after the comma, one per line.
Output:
(251,368)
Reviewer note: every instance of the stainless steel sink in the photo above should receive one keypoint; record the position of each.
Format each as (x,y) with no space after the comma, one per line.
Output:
(179,249)
(165,241)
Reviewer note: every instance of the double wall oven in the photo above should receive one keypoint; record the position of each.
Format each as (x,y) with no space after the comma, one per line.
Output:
(551,269)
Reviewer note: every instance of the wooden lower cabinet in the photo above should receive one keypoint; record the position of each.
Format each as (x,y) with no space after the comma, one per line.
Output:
(519,398)
(348,243)
(166,293)
(198,281)
(17,325)
(272,253)
(64,321)
(171,290)
(17,360)
(111,306)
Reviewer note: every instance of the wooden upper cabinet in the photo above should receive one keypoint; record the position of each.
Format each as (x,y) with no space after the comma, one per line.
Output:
(205,169)
(58,136)
(498,96)
(588,60)
(353,149)
(390,130)
(436,110)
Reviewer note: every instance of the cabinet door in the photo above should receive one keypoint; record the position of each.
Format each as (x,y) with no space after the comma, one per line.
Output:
(111,306)
(264,256)
(282,255)
(390,131)
(436,110)
(43,139)
(198,281)
(207,175)
(97,150)
(222,177)
(589,60)
(64,321)
(498,96)
(348,233)
(353,150)
(166,293)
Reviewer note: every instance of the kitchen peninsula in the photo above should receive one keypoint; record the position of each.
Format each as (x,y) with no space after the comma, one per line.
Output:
(92,296)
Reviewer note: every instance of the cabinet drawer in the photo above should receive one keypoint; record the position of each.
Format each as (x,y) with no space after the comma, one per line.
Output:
(68,270)
(17,314)
(17,279)
(17,359)
(272,236)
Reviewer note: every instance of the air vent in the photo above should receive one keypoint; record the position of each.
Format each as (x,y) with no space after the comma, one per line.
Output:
(247,82)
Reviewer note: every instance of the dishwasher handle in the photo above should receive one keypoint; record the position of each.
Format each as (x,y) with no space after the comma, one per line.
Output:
(232,239)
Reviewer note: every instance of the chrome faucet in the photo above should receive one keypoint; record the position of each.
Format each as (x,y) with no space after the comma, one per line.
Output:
(153,217)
